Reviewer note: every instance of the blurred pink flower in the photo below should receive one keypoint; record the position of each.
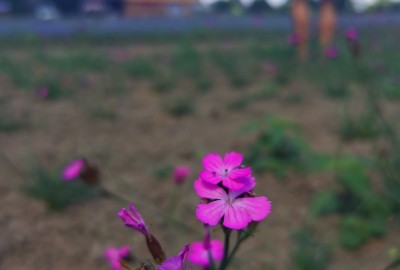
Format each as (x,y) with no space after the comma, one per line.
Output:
(42,92)
(73,170)
(293,39)
(227,170)
(176,262)
(237,208)
(198,254)
(181,173)
(351,34)
(331,53)
(113,255)
(134,220)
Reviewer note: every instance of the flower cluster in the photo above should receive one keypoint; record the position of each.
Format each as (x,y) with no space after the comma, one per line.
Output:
(226,189)
(225,186)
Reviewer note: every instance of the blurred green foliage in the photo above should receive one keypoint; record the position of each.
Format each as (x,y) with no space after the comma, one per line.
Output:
(278,148)
(308,252)
(47,186)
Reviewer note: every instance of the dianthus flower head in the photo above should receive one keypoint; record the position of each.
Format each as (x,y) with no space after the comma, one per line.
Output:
(199,252)
(236,209)
(114,254)
(180,174)
(42,92)
(176,262)
(351,34)
(227,170)
(331,53)
(293,39)
(134,220)
(73,170)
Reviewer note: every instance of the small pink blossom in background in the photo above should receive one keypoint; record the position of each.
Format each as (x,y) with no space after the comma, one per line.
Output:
(176,262)
(198,254)
(42,92)
(237,211)
(293,39)
(73,170)
(331,53)
(134,220)
(181,173)
(271,68)
(114,254)
(351,34)
(227,170)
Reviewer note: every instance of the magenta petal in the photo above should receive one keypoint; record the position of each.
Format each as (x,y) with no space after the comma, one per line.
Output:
(124,251)
(257,208)
(236,218)
(210,177)
(172,263)
(212,212)
(249,184)
(198,255)
(217,250)
(234,184)
(73,170)
(233,159)
(209,191)
(175,262)
(212,162)
(240,173)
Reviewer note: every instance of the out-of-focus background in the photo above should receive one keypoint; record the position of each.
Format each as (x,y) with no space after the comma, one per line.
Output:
(138,87)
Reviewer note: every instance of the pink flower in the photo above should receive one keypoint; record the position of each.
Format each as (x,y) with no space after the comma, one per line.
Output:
(42,92)
(293,39)
(331,53)
(176,262)
(237,209)
(134,220)
(227,170)
(181,173)
(198,254)
(113,255)
(73,170)
(351,34)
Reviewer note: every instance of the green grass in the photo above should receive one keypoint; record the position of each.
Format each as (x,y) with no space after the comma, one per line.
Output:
(46,185)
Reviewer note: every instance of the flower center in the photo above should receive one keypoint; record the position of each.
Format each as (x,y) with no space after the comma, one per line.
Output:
(226,172)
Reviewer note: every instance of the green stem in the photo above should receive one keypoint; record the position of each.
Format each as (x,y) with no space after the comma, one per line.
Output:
(239,240)
(224,262)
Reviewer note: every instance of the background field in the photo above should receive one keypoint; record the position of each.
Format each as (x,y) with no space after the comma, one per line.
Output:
(138,107)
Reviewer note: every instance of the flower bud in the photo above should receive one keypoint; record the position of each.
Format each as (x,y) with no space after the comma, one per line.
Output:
(155,249)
